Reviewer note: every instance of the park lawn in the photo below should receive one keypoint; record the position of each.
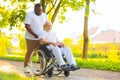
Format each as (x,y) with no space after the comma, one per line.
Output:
(12,76)
(13,58)
(99,64)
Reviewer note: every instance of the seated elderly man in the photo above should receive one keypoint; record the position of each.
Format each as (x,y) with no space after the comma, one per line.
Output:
(49,38)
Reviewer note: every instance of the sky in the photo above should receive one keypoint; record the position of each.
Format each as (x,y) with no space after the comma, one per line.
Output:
(107,17)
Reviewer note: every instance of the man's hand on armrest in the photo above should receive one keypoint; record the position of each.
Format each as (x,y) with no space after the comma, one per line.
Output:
(45,42)
(27,26)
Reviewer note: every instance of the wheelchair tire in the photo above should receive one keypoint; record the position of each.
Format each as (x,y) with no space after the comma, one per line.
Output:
(39,65)
(50,72)
(66,73)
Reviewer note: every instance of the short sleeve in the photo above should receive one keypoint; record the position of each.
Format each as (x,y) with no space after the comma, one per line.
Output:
(41,35)
(27,19)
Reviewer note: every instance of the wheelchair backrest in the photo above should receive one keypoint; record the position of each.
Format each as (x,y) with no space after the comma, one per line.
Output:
(46,50)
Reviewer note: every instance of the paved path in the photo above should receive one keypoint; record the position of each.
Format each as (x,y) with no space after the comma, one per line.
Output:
(81,74)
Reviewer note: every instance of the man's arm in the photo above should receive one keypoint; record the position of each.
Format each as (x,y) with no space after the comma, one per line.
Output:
(44,42)
(27,26)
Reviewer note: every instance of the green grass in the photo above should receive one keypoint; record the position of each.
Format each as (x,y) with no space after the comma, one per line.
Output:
(12,76)
(100,64)
(13,58)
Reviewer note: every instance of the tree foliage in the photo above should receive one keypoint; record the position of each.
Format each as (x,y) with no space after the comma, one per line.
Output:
(12,12)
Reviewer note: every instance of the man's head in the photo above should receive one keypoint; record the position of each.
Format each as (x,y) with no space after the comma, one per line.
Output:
(48,26)
(38,9)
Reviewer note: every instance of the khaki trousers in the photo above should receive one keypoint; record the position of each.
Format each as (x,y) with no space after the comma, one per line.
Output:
(31,46)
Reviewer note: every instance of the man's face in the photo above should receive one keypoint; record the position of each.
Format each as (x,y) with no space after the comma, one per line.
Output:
(48,27)
(38,10)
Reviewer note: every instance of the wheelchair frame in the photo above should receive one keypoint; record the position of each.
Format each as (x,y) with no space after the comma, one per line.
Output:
(46,64)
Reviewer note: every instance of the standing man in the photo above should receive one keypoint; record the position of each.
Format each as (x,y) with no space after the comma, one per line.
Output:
(34,22)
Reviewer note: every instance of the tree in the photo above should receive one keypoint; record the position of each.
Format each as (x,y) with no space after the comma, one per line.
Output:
(55,7)
(12,14)
(85,33)
(14,17)
(51,5)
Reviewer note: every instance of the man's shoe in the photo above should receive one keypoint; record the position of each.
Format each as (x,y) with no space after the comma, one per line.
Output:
(74,67)
(26,69)
(64,67)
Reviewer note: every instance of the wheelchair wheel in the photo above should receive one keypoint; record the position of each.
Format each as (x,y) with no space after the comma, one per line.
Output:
(38,63)
(66,73)
(50,72)
(57,70)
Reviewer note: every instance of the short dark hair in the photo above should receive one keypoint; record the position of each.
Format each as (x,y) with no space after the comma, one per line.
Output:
(37,5)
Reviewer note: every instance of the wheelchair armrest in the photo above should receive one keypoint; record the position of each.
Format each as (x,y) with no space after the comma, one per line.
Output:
(46,50)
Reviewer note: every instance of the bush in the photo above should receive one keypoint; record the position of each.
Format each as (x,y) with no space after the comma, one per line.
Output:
(77,55)
(93,55)
(4,44)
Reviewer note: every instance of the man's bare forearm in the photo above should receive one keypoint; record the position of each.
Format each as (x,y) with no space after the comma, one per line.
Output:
(27,26)
(44,42)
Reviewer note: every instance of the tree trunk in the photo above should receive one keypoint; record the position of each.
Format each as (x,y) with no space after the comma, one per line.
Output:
(85,33)
(56,11)
(43,5)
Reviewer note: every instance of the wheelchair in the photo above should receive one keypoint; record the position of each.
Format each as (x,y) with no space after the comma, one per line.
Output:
(44,62)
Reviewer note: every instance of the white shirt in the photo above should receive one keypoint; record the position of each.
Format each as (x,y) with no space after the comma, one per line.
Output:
(36,23)
(49,36)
